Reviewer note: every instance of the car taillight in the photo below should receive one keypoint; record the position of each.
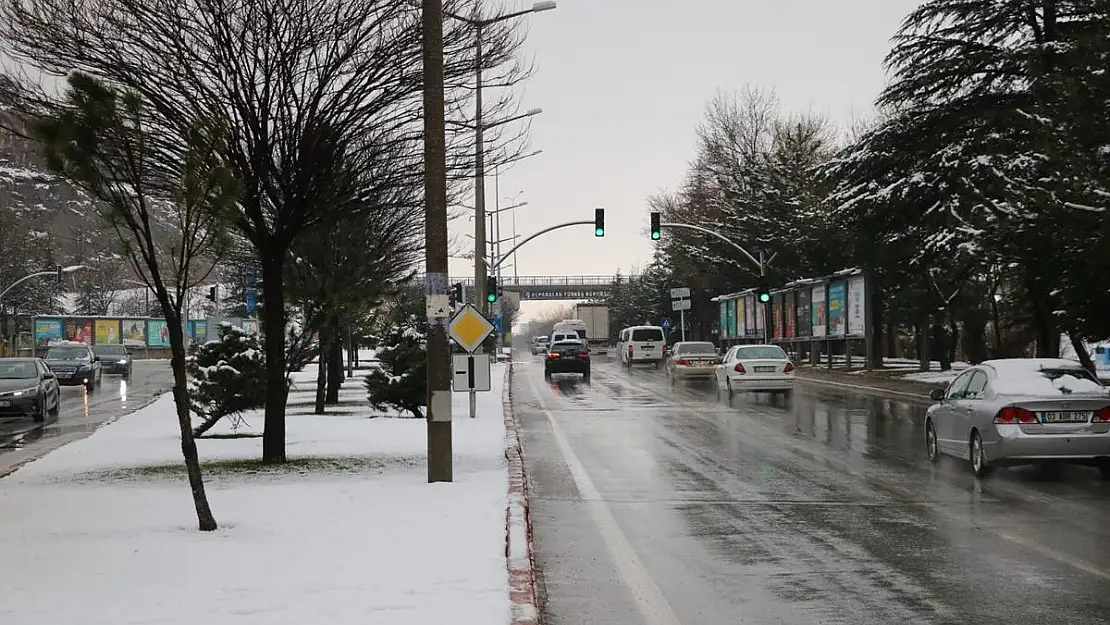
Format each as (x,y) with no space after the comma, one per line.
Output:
(583,354)
(788,368)
(553,354)
(1013,414)
(630,350)
(739,368)
(682,362)
(1102,415)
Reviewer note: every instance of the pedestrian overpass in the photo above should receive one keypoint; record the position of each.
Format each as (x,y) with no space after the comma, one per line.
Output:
(532,288)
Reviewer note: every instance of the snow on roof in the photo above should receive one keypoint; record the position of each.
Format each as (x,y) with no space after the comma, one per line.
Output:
(794,284)
(1017,365)
(1022,376)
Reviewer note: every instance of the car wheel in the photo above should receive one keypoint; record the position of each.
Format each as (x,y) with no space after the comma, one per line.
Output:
(728,386)
(90,386)
(127,373)
(586,377)
(547,375)
(57,403)
(40,411)
(979,464)
(932,445)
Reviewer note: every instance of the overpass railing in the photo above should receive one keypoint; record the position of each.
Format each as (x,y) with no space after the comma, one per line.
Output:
(544,281)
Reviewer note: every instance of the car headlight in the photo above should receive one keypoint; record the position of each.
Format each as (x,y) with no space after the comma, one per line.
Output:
(25,391)
(122,362)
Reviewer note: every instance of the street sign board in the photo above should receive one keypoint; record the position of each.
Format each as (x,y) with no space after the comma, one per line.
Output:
(470,372)
(680,304)
(680,299)
(666,323)
(682,293)
(497,323)
(469,328)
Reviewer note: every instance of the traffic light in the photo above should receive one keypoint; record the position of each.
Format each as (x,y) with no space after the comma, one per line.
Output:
(491,289)
(58,268)
(655,233)
(763,292)
(456,294)
(211,293)
(599,222)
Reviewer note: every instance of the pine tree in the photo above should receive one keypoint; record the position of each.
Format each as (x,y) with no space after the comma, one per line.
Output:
(228,377)
(401,382)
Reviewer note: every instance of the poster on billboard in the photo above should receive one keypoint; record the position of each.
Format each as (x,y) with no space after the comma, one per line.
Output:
(250,326)
(803,313)
(79,330)
(107,332)
(198,330)
(818,316)
(134,332)
(838,315)
(749,315)
(855,306)
(732,317)
(722,316)
(741,318)
(760,311)
(48,331)
(776,317)
(157,333)
(788,313)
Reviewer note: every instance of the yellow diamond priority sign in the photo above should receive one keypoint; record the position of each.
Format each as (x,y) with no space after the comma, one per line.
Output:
(469,328)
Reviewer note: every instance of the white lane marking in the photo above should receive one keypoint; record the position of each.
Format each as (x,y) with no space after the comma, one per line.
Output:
(649,599)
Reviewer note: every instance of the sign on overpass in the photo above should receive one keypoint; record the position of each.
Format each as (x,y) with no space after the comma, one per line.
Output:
(549,287)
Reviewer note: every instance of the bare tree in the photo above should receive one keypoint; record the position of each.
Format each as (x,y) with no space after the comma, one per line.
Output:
(286,76)
(100,140)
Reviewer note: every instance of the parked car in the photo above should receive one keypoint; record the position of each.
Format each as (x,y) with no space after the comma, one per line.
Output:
(115,359)
(756,369)
(692,359)
(539,344)
(1021,411)
(28,388)
(567,357)
(75,364)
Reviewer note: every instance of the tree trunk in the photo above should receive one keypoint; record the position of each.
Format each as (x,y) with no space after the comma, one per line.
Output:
(878,345)
(940,340)
(954,339)
(1081,352)
(273,329)
(921,330)
(975,336)
(206,522)
(352,353)
(321,374)
(335,363)
(1044,323)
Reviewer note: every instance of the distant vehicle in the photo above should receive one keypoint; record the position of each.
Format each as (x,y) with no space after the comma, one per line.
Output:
(1021,411)
(569,330)
(595,315)
(572,356)
(539,344)
(642,344)
(115,359)
(28,388)
(692,359)
(75,364)
(756,369)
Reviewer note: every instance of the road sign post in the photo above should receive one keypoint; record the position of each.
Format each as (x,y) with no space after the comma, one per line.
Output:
(680,301)
(470,329)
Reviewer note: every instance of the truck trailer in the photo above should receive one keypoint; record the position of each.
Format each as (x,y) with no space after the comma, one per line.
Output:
(596,317)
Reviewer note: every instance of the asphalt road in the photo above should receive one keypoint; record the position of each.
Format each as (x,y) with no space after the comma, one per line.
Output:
(655,505)
(22,439)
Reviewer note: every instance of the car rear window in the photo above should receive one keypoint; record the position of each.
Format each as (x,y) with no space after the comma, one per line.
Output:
(761,351)
(695,348)
(647,335)
(567,347)
(118,350)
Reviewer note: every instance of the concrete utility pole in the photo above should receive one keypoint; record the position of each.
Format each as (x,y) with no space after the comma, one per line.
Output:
(440,455)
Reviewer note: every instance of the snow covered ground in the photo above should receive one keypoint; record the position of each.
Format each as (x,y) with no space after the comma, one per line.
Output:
(102,531)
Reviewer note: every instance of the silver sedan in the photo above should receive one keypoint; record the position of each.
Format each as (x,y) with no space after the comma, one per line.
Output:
(692,359)
(1021,411)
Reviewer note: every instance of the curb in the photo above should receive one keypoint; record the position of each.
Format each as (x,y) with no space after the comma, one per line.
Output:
(518,524)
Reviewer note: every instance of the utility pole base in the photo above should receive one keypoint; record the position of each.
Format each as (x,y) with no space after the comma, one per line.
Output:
(440,463)
(473,404)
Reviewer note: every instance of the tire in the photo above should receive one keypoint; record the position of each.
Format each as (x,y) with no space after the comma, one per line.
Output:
(547,375)
(728,386)
(586,377)
(90,386)
(979,464)
(40,413)
(932,444)
(658,363)
(127,374)
(57,404)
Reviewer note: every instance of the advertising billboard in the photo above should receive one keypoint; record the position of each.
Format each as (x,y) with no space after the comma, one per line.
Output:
(818,314)
(804,321)
(134,332)
(157,333)
(107,331)
(48,331)
(856,303)
(722,316)
(788,313)
(79,330)
(838,301)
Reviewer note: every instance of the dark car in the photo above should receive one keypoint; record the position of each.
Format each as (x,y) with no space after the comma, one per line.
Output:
(28,388)
(114,359)
(567,357)
(75,364)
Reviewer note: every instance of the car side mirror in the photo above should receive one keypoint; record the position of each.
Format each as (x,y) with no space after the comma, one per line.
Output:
(96,358)
(49,375)
(130,352)
(937,394)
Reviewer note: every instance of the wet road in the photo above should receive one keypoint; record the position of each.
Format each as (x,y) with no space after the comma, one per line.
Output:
(655,505)
(22,439)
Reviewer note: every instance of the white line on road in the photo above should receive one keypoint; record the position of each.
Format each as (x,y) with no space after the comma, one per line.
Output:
(649,599)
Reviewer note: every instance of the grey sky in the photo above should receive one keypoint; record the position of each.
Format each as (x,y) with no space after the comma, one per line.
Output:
(623,83)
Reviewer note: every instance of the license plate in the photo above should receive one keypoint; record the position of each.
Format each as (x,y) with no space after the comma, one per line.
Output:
(1065,417)
(568,356)
(764,369)
(5,403)
(648,347)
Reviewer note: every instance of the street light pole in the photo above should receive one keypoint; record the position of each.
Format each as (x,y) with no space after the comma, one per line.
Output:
(440,454)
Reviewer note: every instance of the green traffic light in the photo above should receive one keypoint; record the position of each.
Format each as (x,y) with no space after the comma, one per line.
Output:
(764,297)
(492,297)
(599,232)
(655,235)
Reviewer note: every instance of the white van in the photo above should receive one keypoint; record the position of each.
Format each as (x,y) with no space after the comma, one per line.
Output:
(642,344)
(569,330)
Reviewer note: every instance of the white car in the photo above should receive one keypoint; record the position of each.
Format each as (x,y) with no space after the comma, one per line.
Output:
(756,369)
(692,359)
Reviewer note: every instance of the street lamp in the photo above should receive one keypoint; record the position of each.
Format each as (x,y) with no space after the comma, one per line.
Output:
(479,141)
(39,274)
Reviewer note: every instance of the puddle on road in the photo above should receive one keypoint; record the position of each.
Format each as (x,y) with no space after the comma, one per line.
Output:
(21,438)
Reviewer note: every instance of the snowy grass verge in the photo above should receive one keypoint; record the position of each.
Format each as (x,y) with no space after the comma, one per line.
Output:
(348,531)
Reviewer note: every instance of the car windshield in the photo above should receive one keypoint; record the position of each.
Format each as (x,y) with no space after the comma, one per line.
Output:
(568,346)
(67,353)
(647,335)
(760,352)
(1046,382)
(110,350)
(18,370)
(695,348)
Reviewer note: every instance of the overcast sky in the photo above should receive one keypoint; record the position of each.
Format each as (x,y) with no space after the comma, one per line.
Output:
(623,83)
